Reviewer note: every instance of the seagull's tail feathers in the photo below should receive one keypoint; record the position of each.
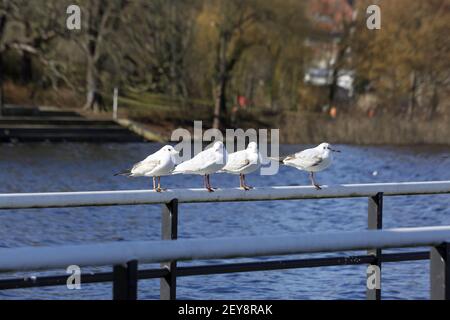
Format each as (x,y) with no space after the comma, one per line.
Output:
(278,159)
(178,170)
(126,173)
(181,169)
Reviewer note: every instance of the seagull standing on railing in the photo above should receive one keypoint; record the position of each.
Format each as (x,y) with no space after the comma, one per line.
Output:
(205,163)
(156,165)
(311,160)
(243,162)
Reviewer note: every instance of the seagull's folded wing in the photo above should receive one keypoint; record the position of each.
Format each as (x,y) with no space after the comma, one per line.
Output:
(307,158)
(200,162)
(145,166)
(236,162)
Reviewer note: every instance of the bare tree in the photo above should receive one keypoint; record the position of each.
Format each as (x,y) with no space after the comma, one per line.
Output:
(160,40)
(6,8)
(235,26)
(101,18)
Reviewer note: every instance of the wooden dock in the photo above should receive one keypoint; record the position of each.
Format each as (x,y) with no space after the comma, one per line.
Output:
(34,124)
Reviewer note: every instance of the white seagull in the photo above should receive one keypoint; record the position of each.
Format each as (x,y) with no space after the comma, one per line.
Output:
(311,160)
(205,163)
(156,165)
(243,162)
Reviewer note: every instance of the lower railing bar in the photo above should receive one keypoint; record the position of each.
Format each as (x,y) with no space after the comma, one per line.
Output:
(298,264)
(405,256)
(153,273)
(271,265)
(47,281)
(218,269)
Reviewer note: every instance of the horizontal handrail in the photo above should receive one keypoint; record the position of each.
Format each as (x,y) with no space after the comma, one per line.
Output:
(119,253)
(134,197)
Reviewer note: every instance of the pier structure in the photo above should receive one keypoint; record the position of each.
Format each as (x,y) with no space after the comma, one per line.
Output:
(35,124)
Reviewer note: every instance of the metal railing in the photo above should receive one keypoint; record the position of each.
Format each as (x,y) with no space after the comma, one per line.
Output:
(125,256)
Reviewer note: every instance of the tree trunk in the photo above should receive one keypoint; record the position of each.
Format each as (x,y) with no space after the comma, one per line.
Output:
(3,20)
(26,68)
(94,33)
(1,84)
(333,87)
(220,98)
(294,89)
(273,82)
(173,51)
(220,106)
(93,98)
(412,95)
(434,102)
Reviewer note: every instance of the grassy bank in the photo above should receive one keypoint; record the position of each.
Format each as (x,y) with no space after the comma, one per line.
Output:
(363,130)
(161,114)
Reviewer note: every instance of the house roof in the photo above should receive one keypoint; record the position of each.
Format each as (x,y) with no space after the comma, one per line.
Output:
(328,15)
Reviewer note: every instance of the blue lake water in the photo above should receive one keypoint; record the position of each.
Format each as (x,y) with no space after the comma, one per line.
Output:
(89,167)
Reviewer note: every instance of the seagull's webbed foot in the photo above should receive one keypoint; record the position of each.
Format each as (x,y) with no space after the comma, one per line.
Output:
(246,187)
(208,184)
(243,185)
(317,186)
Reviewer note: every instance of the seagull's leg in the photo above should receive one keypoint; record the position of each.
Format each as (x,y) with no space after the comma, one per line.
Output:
(208,184)
(159,185)
(241,185)
(205,182)
(154,183)
(246,187)
(242,179)
(313,181)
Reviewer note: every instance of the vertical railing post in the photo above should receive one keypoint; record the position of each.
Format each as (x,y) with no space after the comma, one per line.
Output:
(115,103)
(125,279)
(375,222)
(440,272)
(169,231)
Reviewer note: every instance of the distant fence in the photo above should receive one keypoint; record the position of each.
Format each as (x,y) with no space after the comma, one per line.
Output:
(125,256)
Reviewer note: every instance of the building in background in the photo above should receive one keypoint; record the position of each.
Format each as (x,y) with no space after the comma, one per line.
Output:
(329,20)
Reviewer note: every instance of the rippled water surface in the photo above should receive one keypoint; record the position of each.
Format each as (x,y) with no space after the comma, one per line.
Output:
(88,167)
